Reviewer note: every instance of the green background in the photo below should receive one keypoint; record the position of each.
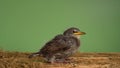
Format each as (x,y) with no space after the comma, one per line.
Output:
(26,25)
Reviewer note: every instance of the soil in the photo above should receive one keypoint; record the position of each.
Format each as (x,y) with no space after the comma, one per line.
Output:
(78,60)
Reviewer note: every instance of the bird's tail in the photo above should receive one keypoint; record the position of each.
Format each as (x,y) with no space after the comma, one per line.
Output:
(34,54)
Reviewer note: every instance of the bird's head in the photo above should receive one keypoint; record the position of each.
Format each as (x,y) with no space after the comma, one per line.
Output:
(75,32)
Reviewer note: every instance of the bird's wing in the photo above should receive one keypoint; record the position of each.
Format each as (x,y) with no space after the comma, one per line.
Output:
(59,44)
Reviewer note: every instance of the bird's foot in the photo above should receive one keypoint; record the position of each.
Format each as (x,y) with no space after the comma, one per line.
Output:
(63,61)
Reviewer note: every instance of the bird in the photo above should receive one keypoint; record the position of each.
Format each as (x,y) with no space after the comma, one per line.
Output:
(61,47)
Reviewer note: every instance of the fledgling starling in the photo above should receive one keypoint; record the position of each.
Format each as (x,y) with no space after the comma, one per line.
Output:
(61,46)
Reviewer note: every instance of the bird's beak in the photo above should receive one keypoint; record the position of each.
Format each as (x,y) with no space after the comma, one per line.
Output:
(79,33)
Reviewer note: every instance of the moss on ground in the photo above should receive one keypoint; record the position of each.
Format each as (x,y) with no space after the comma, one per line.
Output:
(78,60)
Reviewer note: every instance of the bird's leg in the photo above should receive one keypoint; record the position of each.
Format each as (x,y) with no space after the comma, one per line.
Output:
(51,59)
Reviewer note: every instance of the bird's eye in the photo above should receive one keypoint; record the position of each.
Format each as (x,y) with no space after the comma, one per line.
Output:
(74,31)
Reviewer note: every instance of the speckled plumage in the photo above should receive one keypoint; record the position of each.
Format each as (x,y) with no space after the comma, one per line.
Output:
(60,47)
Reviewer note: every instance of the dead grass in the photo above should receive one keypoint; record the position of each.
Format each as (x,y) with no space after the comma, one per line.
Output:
(79,60)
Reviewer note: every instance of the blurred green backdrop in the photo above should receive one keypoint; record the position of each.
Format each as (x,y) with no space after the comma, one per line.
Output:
(26,25)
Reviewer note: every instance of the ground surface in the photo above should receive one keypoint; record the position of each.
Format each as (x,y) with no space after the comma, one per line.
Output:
(79,60)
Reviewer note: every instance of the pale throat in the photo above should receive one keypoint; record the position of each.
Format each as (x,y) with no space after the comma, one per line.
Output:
(77,36)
